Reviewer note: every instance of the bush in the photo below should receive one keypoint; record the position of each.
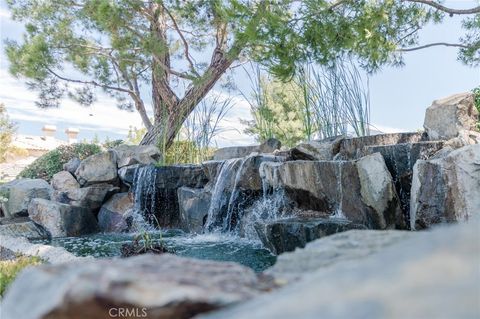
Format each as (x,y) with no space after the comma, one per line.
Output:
(52,162)
(7,129)
(9,269)
(476,92)
(186,152)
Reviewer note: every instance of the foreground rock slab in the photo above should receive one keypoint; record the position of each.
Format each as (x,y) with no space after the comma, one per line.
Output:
(425,275)
(163,286)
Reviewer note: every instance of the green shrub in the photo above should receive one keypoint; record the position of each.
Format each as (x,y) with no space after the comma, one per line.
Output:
(476,92)
(9,269)
(52,162)
(186,152)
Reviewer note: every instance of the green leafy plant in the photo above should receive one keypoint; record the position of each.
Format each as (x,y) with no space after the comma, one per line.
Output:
(52,162)
(7,129)
(476,93)
(9,269)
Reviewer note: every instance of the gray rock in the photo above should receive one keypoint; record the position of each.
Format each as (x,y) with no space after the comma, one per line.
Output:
(113,214)
(19,194)
(159,286)
(62,220)
(375,275)
(449,117)
(355,147)
(323,150)
(212,169)
(136,154)
(64,180)
(51,254)
(287,234)
(446,189)
(194,204)
(97,168)
(22,227)
(90,197)
(362,190)
(72,165)
(226,153)
(400,159)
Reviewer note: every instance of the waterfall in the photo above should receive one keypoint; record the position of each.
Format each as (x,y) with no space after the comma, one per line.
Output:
(230,208)
(339,210)
(220,194)
(142,215)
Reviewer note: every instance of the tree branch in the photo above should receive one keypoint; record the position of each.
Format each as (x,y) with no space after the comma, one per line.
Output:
(108,87)
(451,11)
(458,45)
(185,44)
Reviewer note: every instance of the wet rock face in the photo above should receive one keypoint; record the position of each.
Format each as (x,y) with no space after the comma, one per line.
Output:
(161,286)
(362,190)
(155,191)
(446,189)
(194,204)
(62,220)
(400,159)
(19,194)
(288,234)
(447,118)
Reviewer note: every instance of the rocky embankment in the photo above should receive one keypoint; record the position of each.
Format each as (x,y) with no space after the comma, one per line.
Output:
(350,203)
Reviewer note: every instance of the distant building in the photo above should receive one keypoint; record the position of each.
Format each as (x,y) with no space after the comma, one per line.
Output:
(37,145)
(30,147)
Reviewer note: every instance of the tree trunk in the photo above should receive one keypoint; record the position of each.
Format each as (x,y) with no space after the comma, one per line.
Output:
(167,127)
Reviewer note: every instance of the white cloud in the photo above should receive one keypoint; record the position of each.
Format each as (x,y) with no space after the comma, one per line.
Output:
(5,13)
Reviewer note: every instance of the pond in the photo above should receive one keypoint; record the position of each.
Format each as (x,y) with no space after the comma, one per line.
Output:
(213,246)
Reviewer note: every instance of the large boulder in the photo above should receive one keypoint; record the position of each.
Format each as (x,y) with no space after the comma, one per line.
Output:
(19,194)
(90,197)
(226,153)
(288,234)
(361,191)
(194,204)
(63,181)
(355,147)
(155,191)
(62,220)
(322,150)
(114,213)
(136,154)
(451,117)
(72,165)
(375,275)
(400,159)
(22,227)
(98,168)
(446,189)
(154,286)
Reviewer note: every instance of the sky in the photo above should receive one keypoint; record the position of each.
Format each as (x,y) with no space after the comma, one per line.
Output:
(399,96)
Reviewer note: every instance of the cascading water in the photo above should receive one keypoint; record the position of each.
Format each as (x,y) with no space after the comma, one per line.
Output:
(219,197)
(141,217)
(339,210)
(226,212)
